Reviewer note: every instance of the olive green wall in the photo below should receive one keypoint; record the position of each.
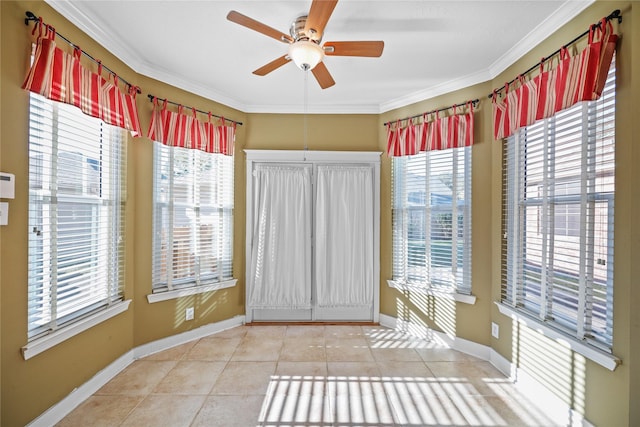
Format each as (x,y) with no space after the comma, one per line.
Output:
(30,387)
(455,319)
(162,319)
(603,396)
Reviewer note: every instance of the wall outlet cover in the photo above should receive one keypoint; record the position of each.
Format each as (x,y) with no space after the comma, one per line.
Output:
(189,314)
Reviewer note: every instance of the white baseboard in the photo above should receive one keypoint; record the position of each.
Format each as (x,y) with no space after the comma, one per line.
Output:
(530,388)
(58,411)
(469,347)
(61,409)
(184,337)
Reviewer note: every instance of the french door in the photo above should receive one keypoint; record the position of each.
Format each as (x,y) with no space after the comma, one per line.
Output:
(312,236)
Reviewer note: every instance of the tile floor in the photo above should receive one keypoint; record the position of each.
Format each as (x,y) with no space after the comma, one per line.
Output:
(319,375)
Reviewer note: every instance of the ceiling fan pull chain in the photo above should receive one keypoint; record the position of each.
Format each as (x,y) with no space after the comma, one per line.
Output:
(306,98)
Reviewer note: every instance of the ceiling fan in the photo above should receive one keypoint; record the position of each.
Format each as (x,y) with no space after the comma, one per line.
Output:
(304,40)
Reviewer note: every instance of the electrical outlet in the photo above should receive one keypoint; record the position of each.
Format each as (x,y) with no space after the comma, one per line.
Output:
(495,330)
(188,315)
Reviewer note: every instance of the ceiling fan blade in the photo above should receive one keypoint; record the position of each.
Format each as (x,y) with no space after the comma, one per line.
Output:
(361,48)
(319,15)
(252,24)
(276,63)
(322,75)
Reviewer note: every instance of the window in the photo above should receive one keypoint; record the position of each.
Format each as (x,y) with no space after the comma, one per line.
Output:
(192,218)
(432,220)
(557,262)
(76,215)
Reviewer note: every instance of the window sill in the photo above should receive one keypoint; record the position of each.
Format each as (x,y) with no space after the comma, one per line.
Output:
(602,358)
(455,296)
(185,292)
(39,345)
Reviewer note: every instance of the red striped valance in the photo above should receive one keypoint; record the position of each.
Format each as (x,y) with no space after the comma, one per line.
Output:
(432,133)
(59,76)
(573,79)
(185,130)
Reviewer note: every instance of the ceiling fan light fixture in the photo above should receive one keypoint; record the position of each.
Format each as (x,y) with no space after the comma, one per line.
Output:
(305,54)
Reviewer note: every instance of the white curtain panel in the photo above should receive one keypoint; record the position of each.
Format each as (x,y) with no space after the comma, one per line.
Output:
(281,246)
(344,236)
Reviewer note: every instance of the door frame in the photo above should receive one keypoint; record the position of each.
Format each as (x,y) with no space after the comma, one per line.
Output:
(371,158)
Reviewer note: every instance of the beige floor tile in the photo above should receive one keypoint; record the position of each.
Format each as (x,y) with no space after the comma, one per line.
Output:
(487,410)
(463,369)
(237,332)
(425,409)
(257,350)
(461,378)
(250,378)
(314,369)
(395,355)
(355,342)
(305,331)
(312,350)
(175,353)
(139,378)
(230,411)
(362,410)
(404,369)
(214,349)
(191,377)
(444,355)
(367,376)
(343,331)
(348,350)
(266,331)
(299,385)
(304,341)
(297,410)
(101,411)
(353,369)
(165,410)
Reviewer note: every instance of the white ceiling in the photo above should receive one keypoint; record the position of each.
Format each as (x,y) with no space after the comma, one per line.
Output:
(431,47)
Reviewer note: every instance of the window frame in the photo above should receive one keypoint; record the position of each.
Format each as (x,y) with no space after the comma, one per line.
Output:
(164,285)
(94,202)
(595,202)
(461,290)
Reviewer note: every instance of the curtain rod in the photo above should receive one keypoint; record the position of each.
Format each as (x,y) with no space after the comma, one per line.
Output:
(32,17)
(474,102)
(199,111)
(613,15)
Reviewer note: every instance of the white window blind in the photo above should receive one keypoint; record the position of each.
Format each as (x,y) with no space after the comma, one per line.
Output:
(432,219)
(558,210)
(192,219)
(76,215)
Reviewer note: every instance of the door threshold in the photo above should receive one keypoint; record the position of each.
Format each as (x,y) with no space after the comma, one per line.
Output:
(307,323)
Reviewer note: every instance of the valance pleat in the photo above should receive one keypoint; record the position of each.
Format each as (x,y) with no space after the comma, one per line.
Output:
(59,76)
(432,133)
(180,129)
(558,86)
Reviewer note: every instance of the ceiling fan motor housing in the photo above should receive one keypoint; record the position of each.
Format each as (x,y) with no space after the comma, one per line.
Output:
(305,51)
(297,31)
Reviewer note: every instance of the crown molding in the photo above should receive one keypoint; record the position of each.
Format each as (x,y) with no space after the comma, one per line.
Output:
(567,11)
(437,90)
(553,23)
